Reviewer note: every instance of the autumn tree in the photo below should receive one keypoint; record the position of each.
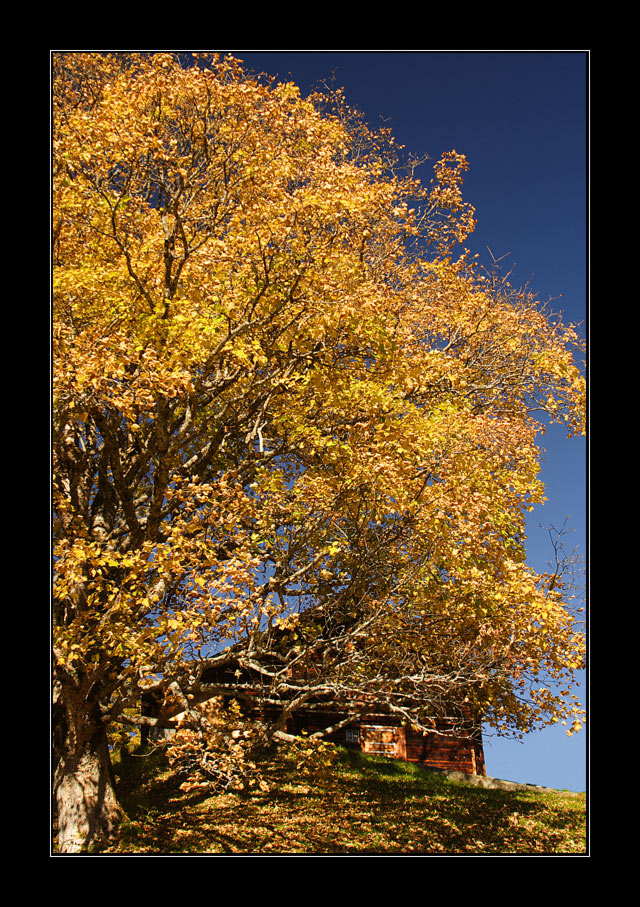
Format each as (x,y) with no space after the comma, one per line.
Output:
(293,429)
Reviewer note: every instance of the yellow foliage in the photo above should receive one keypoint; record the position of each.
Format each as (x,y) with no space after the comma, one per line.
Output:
(277,388)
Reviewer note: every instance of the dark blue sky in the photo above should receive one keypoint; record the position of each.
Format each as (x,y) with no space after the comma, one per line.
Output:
(521,119)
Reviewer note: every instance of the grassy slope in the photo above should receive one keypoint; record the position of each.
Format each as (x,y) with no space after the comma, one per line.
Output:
(365,806)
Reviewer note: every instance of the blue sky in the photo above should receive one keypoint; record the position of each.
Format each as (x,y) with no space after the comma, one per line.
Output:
(521,120)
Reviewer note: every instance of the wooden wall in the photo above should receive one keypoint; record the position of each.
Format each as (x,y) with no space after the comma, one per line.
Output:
(384,735)
(381,735)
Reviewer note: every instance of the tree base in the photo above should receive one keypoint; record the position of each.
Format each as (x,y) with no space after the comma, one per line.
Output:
(87,806)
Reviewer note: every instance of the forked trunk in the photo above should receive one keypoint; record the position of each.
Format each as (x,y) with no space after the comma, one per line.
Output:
(87,806)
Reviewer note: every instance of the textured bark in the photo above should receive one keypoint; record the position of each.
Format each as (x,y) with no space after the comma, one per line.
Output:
(86,801)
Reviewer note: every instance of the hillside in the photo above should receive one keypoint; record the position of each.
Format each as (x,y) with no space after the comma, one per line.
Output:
(364,805)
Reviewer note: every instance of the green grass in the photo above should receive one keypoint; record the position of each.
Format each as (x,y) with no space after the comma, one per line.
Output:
(365,805)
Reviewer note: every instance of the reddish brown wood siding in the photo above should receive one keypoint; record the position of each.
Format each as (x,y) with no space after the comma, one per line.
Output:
(381,735)
(462,754)
(381,740)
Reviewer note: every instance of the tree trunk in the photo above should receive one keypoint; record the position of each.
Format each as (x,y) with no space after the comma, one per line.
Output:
(87,806)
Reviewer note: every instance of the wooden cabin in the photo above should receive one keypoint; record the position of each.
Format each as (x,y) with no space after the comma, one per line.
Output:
(452,745)
(448,747)
(384,735)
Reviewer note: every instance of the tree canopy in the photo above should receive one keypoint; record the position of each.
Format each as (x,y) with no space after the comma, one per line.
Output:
(294,423)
